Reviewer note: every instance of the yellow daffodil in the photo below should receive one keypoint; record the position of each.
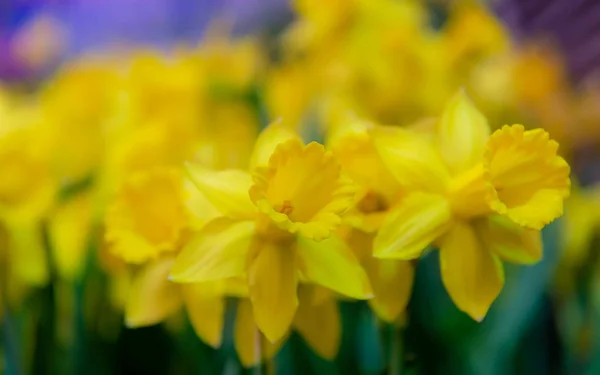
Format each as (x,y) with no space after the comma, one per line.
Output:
(478,198)
(472,34)
(74,108)
(378,194)
(138,231)
(70,227)
(276,229)
(27,192)
(580,224)
(149,235)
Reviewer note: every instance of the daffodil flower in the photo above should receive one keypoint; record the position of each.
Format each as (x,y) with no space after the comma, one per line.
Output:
(378,193)
(27,192)
(478,198)
(149,235)
(276,229)
(138,231)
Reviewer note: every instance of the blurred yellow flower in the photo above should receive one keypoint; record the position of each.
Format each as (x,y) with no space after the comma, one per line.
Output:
(378,194)
(276,231)
(148,216)
(74,107)
(472,34)
(476,197)
(70,227)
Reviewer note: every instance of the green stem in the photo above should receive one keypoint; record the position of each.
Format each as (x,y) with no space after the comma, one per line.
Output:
(395,355)
(11,344)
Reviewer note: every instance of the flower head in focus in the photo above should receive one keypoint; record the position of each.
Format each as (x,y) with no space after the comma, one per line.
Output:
(276,230)
(478,197)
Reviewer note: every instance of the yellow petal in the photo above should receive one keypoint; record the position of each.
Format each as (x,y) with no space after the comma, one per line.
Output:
(462,133)
(247,336)
(69,230)
(472,275)
(510,241)
(250,344)
(408,229)
(267,141)
(218,251)
(226,190)
(152,297)
(200,208)
(302,190)
(272,285)
(205,311)
(360,161)
(530,179)
(332,264)
(392,282)
(411,158)
(27,258)
(319,324)
(581,221)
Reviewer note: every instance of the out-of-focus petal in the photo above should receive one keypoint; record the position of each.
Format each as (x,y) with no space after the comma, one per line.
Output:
(318,322)
(412,226)
(472,275)
(250,345)
(70,226)
(411,158)
(332,264)
(392,282)
(218,251)
(27,258)
(510,241)
(462,133)
(272,283)
(200,209)
(152,297)
(205,310)
(267,141)
(226,190)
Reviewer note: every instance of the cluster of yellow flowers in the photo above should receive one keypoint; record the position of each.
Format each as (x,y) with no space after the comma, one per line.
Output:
(154,161)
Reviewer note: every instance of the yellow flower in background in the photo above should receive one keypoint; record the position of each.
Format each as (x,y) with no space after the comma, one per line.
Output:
(230,64)
(27,193)
(478,198)
(288,93)
(148,216)
(146,225)
(27,187)
(71,226)
(276,231)
(472,34)
(74,107)
(580,224)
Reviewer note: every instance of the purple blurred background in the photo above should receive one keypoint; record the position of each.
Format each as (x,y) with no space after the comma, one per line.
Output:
(88,25)
(83,25)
